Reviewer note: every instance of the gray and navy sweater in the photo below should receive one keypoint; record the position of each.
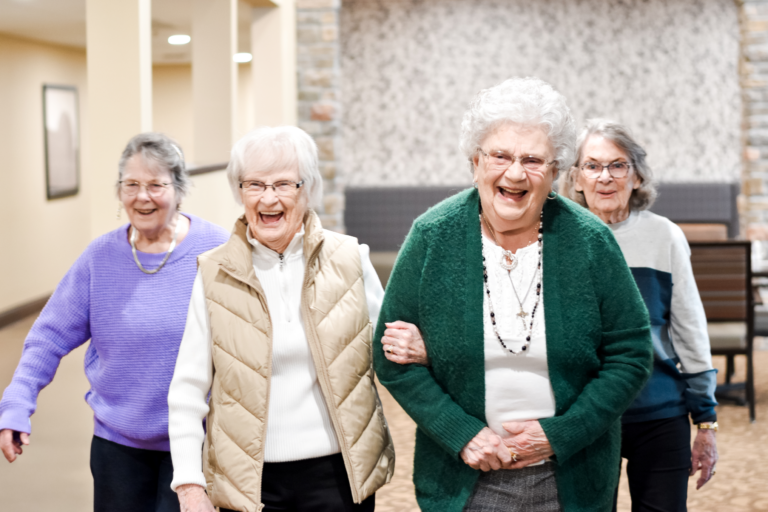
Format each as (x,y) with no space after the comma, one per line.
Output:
(683,380)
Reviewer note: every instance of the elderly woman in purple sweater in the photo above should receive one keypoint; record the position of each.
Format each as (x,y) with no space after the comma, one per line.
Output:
(128,293)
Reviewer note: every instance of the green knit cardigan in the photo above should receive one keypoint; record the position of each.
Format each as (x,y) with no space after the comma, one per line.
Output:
(599,349)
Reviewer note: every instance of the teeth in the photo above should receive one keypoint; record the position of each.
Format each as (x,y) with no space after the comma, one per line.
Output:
(512,191)
(270,213)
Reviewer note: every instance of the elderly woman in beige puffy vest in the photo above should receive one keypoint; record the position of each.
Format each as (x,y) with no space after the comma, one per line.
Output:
(279,333)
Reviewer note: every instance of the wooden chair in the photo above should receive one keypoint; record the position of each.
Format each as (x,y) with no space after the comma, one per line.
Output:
(723,273)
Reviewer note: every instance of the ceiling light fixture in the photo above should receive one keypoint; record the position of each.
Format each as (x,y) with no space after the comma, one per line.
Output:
(241,58)
(179,39)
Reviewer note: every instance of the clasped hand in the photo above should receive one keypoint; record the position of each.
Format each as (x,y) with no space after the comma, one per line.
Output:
(526,445)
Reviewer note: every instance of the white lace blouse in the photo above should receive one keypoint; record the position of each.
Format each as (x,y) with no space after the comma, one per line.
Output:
(517,387)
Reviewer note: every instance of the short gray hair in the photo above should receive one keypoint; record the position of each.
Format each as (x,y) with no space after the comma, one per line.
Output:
(527,101)
(643,197)
(161,150)
(275,148)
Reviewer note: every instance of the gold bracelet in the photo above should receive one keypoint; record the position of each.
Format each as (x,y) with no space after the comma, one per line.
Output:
(708,426)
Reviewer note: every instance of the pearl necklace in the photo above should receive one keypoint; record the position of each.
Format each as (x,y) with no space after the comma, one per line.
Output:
(135,236)
(522,314)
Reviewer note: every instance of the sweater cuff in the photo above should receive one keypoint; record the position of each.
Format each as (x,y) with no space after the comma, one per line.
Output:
(454,431)
(561,433)
(708,417)
(187,458)
(184,474)
(15,420)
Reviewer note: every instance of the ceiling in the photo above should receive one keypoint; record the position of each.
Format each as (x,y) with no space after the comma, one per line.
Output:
(63,22)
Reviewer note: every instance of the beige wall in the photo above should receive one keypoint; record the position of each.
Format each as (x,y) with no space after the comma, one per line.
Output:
(172,100)
(210,197)
(172,104)
(39,239)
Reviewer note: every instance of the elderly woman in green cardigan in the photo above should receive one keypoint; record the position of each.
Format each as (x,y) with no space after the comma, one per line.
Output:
(537,336)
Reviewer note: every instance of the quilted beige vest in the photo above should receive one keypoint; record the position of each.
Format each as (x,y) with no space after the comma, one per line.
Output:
(335,315)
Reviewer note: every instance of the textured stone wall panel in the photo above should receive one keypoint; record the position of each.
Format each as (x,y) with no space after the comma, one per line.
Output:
(666,68)
(317,50)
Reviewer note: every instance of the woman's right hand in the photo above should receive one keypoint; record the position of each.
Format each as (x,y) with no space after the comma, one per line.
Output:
(192,498)
(486,452)
(11,441)
(402,344)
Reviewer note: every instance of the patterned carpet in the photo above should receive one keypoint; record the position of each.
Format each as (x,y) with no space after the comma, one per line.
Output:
(741,483)
(53,473)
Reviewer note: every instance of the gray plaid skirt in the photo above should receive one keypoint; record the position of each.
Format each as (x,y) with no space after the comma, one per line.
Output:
(531,489)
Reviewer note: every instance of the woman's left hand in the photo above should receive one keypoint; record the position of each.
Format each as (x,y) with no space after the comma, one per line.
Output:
(704,456)
(528,442)
(402,344)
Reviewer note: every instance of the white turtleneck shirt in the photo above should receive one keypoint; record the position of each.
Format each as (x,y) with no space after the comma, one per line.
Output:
(299,425)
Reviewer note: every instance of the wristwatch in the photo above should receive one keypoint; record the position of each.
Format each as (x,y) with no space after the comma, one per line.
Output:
(712,425)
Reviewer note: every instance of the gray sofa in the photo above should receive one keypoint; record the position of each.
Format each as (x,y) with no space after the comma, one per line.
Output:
(382,216)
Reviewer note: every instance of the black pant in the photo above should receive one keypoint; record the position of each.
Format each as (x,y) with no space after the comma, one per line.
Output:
(129,479)
(658,457)
(310,485)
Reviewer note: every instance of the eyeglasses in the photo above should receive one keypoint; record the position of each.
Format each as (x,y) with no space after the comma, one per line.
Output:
(500,161)
(594,170)
(131,188)
(281,188)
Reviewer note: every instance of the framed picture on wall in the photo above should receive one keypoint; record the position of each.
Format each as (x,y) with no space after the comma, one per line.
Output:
(62,140)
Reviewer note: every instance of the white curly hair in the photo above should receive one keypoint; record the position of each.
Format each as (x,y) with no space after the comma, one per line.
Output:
(526,101)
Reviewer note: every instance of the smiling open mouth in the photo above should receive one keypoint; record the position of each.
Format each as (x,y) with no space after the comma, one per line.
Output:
(145,212)
(512,193)
(270,217)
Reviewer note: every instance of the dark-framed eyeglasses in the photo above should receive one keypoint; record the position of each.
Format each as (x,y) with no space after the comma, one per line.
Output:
(131,188)
(498,161)
(594,170)
(281,188)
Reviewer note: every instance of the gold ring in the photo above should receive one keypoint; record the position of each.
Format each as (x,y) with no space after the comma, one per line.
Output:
(513,454)
(388,350)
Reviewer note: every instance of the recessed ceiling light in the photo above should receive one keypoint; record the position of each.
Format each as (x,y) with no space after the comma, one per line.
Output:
(179,39)
(243,57)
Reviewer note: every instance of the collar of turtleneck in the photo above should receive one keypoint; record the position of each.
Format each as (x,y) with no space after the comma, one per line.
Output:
(267,255)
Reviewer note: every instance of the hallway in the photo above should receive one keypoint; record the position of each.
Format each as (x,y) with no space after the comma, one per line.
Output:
(53,472)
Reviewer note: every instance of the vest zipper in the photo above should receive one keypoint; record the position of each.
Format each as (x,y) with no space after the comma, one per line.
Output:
(325,385)
(259,503)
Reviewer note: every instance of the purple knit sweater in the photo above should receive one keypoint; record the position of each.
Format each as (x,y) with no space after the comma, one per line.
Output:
(135,322)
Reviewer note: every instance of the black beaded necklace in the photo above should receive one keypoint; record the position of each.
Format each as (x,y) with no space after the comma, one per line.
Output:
(527,343)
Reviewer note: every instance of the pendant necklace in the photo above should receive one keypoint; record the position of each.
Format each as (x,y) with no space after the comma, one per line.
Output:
(135,236)
(509,262)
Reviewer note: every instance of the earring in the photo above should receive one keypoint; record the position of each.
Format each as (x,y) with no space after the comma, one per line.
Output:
(119,211)
(552,195)
(474,184)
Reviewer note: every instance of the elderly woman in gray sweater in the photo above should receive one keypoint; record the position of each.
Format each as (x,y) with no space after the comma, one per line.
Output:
(612,178)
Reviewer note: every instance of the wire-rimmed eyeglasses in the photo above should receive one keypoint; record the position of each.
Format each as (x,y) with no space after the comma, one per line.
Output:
(498,161)
(594,170)
(132,188)
(281,188)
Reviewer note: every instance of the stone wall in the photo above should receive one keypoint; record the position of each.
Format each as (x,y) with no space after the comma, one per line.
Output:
(317,27)
(668,69)
(754,82)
